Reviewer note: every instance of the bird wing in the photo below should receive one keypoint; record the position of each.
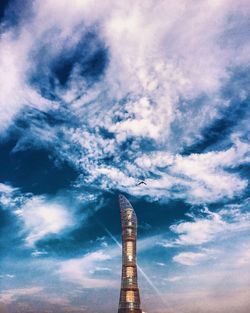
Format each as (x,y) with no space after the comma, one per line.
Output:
(140,183)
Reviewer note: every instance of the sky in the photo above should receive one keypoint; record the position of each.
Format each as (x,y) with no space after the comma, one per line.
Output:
(96,96)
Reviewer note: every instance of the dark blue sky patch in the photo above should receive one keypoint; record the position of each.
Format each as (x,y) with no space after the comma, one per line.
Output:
(160,215)
(148,145)
(238,84)
(157,254)
(89,55)
(10,236)
(213,134)
(53,72)
(12,13)
(243,170)
(29,117)
(5,221)
(106,134)
(219,131)
(64,246)
(3,7)
(33,170)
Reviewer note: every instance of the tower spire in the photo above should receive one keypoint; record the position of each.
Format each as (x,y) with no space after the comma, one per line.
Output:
(129,294)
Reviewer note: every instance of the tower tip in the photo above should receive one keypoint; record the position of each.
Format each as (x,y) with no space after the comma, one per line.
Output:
(124,203)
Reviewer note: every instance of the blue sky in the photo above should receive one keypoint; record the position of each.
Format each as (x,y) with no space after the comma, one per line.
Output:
(96,96)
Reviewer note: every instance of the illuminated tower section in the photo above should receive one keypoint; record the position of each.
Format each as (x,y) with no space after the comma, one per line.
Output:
(129,294)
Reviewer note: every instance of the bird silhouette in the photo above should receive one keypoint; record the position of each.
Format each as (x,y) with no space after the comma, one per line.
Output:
(141,183)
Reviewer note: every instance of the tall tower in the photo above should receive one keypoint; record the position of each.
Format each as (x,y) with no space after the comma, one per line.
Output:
(129,294)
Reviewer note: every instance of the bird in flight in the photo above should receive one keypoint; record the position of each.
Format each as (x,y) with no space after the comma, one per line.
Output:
(141,183)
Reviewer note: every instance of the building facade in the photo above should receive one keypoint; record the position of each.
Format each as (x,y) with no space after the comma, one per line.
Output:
(129,294)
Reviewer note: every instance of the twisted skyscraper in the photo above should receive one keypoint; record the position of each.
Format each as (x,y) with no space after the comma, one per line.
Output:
(129,295)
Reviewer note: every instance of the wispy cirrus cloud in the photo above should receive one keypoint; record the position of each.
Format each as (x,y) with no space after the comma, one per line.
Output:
(157,92)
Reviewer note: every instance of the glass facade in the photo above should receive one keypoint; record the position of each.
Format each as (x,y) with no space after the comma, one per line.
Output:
(129,271)
(130,250)
(129,294)
(129,232)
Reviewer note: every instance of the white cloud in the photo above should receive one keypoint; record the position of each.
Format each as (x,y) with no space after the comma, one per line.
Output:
(4,188)
(200,178)
(42,217)
(174,279)
(13,68)
(81,270)
(100,269)
(10,295)
(212,232)
(162,65)
(191,258)
(210,227)
(37,253)
(113,175)
(160,264)
(200,231)
(7,276)
(10,275)
(9,196)
(5,197)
